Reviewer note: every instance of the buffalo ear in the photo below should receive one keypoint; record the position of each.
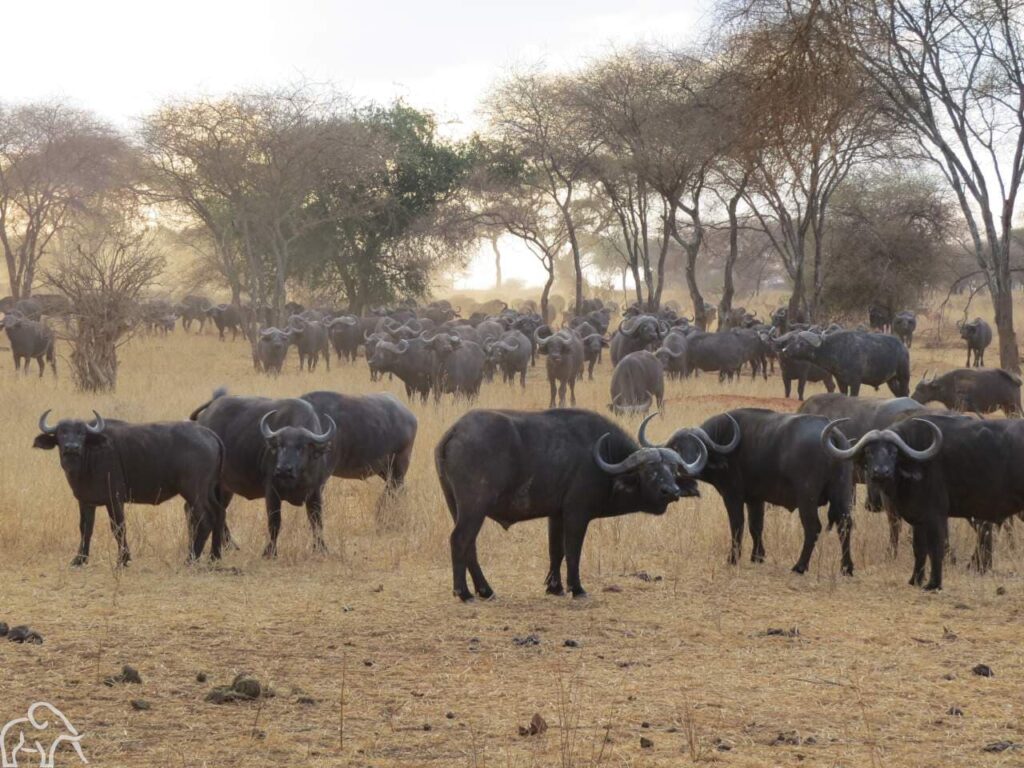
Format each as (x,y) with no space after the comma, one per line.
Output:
(45,442)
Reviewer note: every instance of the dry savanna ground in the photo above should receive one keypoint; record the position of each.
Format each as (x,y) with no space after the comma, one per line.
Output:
(374,663)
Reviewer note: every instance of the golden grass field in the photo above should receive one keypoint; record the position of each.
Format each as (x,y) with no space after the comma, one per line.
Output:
(401,673)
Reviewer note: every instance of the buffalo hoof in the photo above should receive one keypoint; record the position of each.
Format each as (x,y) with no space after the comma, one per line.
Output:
(465,596)
(486,593)
(801,569)
(555,589)
(79,561)
(579,593)
(915,581)
(847,570)
(270,551)
(932,587)
(757,558)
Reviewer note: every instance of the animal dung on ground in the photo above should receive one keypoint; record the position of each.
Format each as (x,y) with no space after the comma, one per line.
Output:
(128,675)
(983,670)
(526,641)
(538,725)
(141,705)
(646,743)
(243,688)
(24,634)
(778,632)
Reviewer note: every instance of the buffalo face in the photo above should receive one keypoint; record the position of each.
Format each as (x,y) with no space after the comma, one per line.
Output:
(72,437)
(295,448)
(652,478)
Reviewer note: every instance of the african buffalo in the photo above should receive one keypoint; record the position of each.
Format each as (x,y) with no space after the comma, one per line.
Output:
(375,435)
(978,335)
(30,340)
(411,360)
(511,353)
(310,340)
(758,457)
(192,309)
(274,450)
(113,463)
(799,370)
(637,382)
(903,326)
(636,333)
(570,466)
(227,317)
(272,349)
(564,351)
(855,358)
(934,467)
(972,390)
(458,366)
(346,334)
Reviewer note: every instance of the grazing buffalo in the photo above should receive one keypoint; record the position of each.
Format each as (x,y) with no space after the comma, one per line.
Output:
(346,334)
(274,450)
(934,467)
(570,466)
(564,351)
(903,326)
(636,333)
(758,457)
(511,353)
(972,390)
(375,435)
(800,371)
(30,340)
(113,463)
(855,358)
(978,335)
(411,360)
(227,317)
(272,349)
(310,340)
(637,381)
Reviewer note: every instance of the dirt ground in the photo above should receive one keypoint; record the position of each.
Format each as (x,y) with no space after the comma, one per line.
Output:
(675,659)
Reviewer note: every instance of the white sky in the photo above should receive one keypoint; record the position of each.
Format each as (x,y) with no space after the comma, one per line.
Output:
(121,58)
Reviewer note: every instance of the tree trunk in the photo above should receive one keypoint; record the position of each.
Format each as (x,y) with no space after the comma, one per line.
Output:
(545,294)
(1009,356)
(728,287)
(497,263)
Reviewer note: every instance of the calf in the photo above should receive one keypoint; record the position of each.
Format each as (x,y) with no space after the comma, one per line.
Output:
(569,466)
(113,463)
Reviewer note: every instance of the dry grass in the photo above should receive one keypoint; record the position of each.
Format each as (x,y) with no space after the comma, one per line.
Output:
(868,681)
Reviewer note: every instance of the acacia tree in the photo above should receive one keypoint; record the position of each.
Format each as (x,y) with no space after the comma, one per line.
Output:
(953,73)
(55,162)
(104,269)
(538,119)
(819,117)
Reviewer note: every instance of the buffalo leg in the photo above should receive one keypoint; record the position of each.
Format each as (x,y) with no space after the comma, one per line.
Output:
(117,526)
(734,507)
(572,391)
(855,389)
(812,529)
(895,523)
(981,561)
(936,549)
(314,511)
(463,540)
(41,361)
(86,519)
(273,503)
(477,573)
(575,532)
(554,389)
(787,386)
(755,518)
(556,553)
(801,384)
(920,539)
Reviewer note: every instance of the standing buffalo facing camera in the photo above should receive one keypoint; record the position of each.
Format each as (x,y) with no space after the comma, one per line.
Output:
(112,463)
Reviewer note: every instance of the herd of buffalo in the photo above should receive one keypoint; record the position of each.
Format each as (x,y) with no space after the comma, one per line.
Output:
(919,465)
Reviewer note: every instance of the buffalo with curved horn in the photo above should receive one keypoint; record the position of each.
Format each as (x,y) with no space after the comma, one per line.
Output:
(569,466)
(759,457)
(934,467)
(111,463)
(275,450)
